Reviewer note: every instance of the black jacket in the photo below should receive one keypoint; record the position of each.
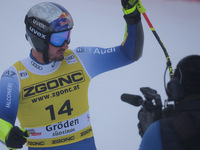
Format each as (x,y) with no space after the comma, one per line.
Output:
(182,131)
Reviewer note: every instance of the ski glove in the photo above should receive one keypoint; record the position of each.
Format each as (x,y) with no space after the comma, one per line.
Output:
(16,138)
(131,13)
(129,6)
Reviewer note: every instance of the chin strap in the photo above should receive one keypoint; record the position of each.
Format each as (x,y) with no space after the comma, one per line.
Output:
(46,56)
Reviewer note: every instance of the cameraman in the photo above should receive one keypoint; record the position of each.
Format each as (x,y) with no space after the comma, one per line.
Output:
(181,131)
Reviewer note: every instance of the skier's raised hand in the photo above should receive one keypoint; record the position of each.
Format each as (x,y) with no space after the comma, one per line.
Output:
(129,6)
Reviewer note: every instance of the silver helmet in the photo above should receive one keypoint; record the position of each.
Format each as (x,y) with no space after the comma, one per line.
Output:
(43,20)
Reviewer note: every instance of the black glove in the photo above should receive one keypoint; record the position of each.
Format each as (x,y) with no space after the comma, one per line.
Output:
(148,114)
(146,118)
(131,14)
(16,137)
(128,4)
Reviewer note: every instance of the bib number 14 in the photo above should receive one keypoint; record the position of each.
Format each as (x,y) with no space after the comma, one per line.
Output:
(65,108)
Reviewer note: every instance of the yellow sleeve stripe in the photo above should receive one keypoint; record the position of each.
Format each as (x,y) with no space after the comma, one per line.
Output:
(5,128)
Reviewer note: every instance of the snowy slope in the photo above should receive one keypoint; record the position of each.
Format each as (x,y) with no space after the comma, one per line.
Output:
(100,23)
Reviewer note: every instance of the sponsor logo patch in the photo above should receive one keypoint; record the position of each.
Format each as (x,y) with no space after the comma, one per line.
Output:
(23,74)
(8,73)
(70,59)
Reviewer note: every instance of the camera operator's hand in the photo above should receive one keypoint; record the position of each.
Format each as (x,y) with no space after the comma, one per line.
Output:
(151,110)
(146,118)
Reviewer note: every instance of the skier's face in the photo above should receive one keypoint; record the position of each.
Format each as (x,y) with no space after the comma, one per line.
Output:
(57,53)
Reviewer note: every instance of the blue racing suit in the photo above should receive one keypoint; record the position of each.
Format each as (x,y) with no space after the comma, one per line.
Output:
(51,100)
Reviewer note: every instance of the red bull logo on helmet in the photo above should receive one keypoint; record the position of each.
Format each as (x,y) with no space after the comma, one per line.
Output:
(63,22)
(64,19)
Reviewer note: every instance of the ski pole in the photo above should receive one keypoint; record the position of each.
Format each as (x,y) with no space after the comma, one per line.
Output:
(142,10)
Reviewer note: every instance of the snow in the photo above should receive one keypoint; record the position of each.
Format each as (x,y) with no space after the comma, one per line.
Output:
(100,23)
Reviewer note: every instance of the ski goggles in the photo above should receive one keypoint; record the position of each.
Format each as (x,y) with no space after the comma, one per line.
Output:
(59,38)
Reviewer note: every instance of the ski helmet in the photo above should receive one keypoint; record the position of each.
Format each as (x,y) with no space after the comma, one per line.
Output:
(43,20)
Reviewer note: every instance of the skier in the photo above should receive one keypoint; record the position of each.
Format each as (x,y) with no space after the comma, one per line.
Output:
(48,91)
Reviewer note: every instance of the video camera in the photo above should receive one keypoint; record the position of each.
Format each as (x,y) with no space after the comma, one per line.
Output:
(151,110)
